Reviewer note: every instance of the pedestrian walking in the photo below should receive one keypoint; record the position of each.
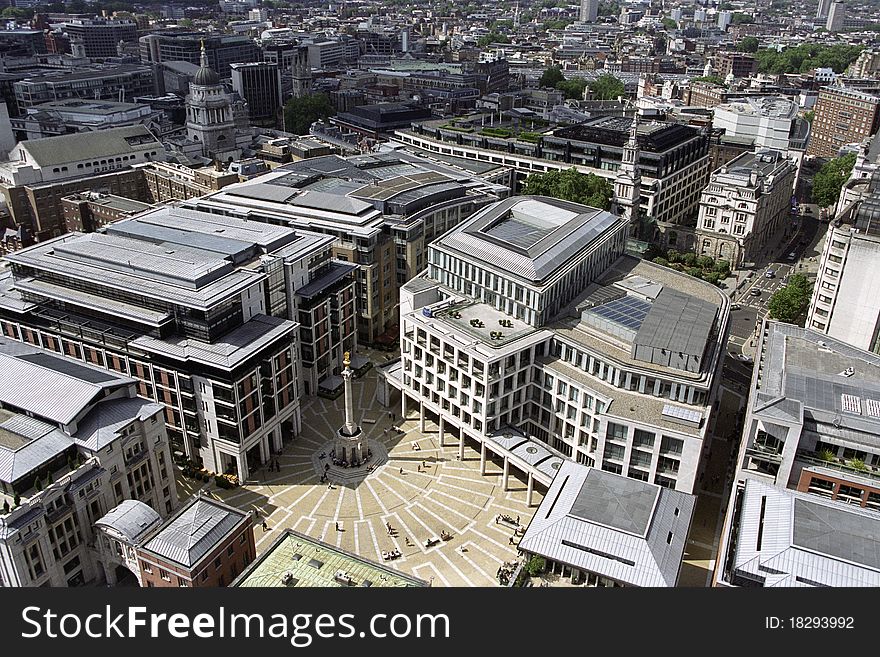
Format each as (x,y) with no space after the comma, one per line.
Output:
(510,541)
(337,526)
(401,471)
(265,526)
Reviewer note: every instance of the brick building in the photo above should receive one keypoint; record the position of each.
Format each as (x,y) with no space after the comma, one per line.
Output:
(740,64)
(842,116)
(205,544)
(87,211)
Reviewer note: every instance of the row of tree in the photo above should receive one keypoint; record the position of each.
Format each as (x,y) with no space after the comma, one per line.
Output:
(829,180)
(571,185)
(605,87)
(806,57)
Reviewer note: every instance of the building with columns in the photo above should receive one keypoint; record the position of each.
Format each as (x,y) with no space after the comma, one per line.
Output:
(75,442)
(628,182)
(533,336)
(210,121)
(200,309)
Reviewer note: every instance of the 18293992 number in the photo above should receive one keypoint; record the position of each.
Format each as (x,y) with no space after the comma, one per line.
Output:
(821,622)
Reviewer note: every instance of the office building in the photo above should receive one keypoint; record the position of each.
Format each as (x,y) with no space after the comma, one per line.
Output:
(823,8)
(533,336)
(605,530)
(75,441)
(842,116)
(120,82)
(222,51)
(86,212)
(740,65)
(284,564)
(845,305)
(99,38)
(589,11)
(168,181)
(259,84)
(382,210)
(672,160)
(836,17)
(21,43)
(745,208)
(780,538)
(769,121)
(724,19)
(196,307)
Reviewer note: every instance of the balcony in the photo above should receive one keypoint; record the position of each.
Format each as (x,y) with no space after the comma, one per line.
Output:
(852,467)
(764,453)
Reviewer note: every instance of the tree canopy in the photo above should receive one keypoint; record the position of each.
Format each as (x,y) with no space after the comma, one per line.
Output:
(572,88)
(551,77)
(669,24)
(806,57)
(492,37)
(714,79)
(300,113)
(789,302)
(829,180)
(606,87)
(571,185)
(748,44)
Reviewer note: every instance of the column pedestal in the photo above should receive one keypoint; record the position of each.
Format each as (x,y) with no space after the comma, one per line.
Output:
(482,458)
(505,474)
(530,490)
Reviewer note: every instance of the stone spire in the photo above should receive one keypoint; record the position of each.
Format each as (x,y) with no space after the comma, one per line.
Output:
(350,428)
(628,183)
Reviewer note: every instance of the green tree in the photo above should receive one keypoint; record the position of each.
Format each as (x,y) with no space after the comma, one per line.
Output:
(689,259)
(741,19)
(301,113)
(571,185)
(38,483)
(17,13)
(492,37)
(713,79)
(606,87)
(748,44)
(535,566)
(789,302)
(669,24)
(572,88)
(829,180)
(551,77)
(661,261)
(808,116)
(672,255)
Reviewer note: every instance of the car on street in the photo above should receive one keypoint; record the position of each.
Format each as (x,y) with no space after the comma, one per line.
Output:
(755,292)
(735,306)
(792,256)
(744,358)
(769,274)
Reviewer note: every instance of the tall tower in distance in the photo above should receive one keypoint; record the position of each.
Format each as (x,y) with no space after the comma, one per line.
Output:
(824,6)
(836,16)
(302,72)
(589,11)
(628,183)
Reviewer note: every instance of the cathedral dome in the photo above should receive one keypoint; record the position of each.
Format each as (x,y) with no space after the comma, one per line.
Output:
(206,77)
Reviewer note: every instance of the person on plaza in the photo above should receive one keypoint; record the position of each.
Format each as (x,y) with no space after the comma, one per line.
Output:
(265,526)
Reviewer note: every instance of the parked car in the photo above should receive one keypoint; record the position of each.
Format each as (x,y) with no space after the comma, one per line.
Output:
(755,292)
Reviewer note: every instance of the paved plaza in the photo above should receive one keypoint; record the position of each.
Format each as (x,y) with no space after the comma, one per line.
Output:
(446,495)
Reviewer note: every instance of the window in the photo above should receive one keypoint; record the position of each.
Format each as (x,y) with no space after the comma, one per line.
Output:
(217,563)
(147,568)
(164,575)
(229,551)
(616,432)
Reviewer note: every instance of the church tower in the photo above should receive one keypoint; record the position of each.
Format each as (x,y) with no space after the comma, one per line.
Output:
(628,183)
(302,72)
(209,116)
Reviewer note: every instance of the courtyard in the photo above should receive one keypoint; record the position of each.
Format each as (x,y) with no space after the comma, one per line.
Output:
(422,490)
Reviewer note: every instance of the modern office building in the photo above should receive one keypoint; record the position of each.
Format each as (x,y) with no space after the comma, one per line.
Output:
(745,208)
(781,538)
(770,121)
(845,304)
(836,17)
(99,37)
(222,50)
(589,11)
(75,441)
(117,82)
(607,530)
(295,560)
(381,209)
(21,43)
(672,161)
(842,116)
(259,84)
(199,308)
(823,8)
(532,335)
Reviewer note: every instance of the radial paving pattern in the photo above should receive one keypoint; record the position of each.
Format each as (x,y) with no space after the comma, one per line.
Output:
(447,495)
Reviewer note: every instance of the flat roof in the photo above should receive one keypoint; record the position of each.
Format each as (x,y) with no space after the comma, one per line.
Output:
(677,322)
(295,560)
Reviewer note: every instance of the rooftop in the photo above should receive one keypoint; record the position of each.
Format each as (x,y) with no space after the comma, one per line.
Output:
(81,146)
(197,528)
(787,538)
(295,560)
(777,107)
(131,518)
(627,530)
(530,237)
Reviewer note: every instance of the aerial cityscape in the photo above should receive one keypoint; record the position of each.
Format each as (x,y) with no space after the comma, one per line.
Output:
(412,293)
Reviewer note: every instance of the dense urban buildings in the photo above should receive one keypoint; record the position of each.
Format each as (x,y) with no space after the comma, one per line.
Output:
(843,116)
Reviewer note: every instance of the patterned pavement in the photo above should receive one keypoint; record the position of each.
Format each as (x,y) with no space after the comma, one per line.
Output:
(446,495)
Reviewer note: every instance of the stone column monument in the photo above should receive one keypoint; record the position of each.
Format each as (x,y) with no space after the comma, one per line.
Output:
(348,446)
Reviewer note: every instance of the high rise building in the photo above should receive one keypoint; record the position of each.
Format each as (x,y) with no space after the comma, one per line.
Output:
(822,10)
(589,11)
(100,37)
(259,84)
(531,335)
(836,17)
(842,116)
